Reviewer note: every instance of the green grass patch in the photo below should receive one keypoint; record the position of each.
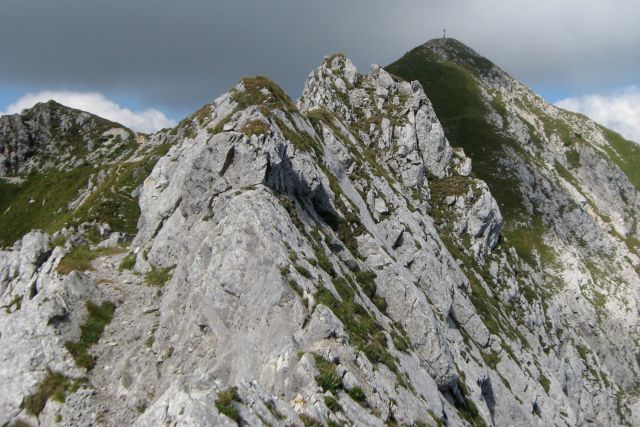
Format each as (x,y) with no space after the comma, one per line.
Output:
(560,128)
(303,271)
(467,409)
(366,280)
(440,190)
(77,259)
(327,377)
(254,94)
(399,336)
(583,352)
(625,154)
(255,127)
(491,359)
(112,202)
(564,173)
(323,259)
(346,226)
(545,383)
(308,421)
(158,276)
(332,403)
(99,316)
(40,202)
(14,305)
(296,287)
(301,139)
(128,262)
(364,331)
(357,394)
(528,240)
(225,404)
(55,386)
(573,158)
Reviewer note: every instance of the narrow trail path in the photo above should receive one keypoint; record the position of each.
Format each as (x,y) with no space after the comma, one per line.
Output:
(128,337)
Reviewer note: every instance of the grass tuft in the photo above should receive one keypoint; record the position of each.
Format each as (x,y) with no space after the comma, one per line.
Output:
(127,263)
(255,127)
(158,276)
(225,404)
(77,259)
(90,332)
(332,403)
(357,394)
(54,386)
(327,378)
(364,331)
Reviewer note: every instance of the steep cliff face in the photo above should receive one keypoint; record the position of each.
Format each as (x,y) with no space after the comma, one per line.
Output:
(333,261)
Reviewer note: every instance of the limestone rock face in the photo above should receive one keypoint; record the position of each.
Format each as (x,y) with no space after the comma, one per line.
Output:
(333,261)
(40,310)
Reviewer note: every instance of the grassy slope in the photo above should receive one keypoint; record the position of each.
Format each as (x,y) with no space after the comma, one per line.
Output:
(458,104)
(457,101)
(52,191)
(112,201)
(625,154)
(39,202)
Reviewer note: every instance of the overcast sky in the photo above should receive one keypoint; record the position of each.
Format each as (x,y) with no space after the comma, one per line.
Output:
(170,57)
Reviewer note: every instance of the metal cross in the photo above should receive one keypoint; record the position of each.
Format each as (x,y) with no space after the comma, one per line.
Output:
(444,33)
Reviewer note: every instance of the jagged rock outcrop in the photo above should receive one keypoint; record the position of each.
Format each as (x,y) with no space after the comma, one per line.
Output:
(333,261)
(40,311)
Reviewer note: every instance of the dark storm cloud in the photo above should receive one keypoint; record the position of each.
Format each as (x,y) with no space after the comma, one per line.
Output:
(184,53)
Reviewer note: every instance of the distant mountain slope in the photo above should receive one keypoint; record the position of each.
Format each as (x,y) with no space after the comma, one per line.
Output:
(64,167)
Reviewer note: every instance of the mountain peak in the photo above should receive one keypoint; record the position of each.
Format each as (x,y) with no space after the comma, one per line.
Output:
(50,134)
(447,43)
(450,49)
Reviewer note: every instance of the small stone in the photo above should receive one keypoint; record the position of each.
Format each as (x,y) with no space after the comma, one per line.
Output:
(380,206)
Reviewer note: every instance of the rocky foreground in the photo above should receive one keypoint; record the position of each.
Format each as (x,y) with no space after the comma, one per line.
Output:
(334,261)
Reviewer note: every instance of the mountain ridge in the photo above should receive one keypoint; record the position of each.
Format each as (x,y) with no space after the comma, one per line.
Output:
(352,248)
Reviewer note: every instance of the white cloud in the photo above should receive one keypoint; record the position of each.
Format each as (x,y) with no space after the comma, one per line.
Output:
(149,120)
(619,111)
